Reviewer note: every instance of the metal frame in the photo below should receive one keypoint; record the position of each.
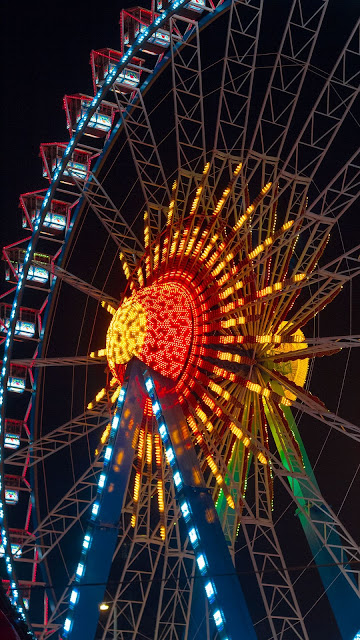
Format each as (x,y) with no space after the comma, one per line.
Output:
(332,106)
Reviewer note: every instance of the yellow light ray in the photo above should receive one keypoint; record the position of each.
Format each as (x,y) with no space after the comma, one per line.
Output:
(108,307)
(156,255)
(100,353)
(259,249)
(146,230)
(196,200)
(209,459)
(252,207)
(174,243)
(126,270)
(102,393)
(190,244)
(149,449)
(124,265)
(140,276)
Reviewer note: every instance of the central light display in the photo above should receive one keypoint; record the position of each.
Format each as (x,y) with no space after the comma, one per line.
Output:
(154,325)
(209,307)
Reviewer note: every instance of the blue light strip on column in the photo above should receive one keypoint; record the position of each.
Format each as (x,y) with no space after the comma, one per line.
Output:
(185,508)
(95,513)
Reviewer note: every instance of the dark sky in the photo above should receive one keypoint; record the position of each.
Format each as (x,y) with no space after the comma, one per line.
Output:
(46,53)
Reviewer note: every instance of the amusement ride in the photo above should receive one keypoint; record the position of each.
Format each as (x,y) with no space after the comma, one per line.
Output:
(164,320)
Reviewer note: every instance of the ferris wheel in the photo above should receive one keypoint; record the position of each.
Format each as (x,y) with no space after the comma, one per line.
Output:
(167,327)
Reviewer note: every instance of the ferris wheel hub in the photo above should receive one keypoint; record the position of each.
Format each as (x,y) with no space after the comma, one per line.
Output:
(154,325)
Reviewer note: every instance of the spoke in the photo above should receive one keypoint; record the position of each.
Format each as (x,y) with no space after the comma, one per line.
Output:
(71,361)
(188,99)
(340,193)
(329,110)
(59,438)
(109,215)
(329,280)
(237,74)
(322,213)
(145,154)
(314,408)
(315,221)
(319,347)
(78,283)
(63,516)
(330,419)
(288,75)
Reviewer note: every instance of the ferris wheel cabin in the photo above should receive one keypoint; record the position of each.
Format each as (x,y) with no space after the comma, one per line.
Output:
(104,61)
(56,219)
(135,21)
(14,260)
(13,431)
(18,539)
(77,167)
(193,9)
(17,378)
(100,122)
(25,325)
(12,488)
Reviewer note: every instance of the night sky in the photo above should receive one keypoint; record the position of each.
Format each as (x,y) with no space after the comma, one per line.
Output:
(46,53)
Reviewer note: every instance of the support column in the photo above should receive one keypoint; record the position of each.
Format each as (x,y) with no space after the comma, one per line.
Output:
(226,599)
(101,536)
(316,518)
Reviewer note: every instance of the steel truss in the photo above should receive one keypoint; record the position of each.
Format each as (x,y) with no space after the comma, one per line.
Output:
(60,437)
(142,547)
(96,196)
(79,284)
(188,97)
(145,155)
(263,152)
(282,609)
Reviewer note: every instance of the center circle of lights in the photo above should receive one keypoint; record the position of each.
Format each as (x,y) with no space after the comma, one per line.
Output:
(155,325)
(205,308)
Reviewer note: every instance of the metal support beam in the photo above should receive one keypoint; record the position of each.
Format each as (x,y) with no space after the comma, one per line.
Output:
(95,563)
(332,551)
(71,361)
(226,599)
(78,283)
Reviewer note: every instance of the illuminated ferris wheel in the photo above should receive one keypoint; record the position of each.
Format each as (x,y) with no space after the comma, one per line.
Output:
(165,325)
